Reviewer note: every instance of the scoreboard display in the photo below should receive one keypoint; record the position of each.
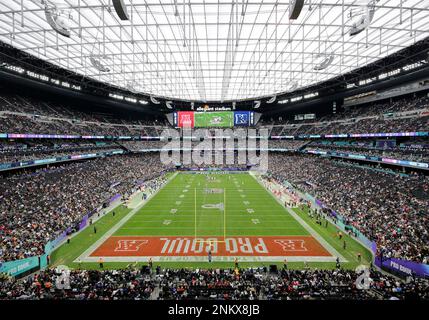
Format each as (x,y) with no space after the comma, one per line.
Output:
(215,119)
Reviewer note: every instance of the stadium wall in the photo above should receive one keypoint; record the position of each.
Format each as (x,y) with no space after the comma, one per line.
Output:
(402,267)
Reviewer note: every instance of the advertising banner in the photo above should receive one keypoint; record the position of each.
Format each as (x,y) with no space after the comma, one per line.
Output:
(41,136)
(15,268)
(403,267)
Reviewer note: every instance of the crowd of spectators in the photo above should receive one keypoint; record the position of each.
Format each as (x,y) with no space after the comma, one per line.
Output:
(139,145)
(391,209)
(219,284)
(287,144)
(371,125)
(30,124)
(398,153)
(400,105)
(19,114)
(369,118)
(38,204)
(142,145)
(13,151)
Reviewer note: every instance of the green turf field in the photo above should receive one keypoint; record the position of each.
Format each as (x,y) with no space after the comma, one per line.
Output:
(202,205)
(178,209)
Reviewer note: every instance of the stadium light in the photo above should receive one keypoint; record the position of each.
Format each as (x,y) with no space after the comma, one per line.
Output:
(365,20)
(296,8)
(293,85)
(97,64)
(168,104)
(272,99)
(154,100)
(324,61)
(57,20)
(121,9)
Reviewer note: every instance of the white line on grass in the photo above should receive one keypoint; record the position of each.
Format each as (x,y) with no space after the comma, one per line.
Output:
(214,259)
(121,222)
(310,230)
(214,228)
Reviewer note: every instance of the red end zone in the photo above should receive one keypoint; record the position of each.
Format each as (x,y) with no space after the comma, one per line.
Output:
(118,246)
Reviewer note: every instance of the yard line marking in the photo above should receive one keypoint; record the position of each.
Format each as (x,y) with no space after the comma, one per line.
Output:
(242,218)
(208,228)
(224,214)
(260,259)
(142,217)
(195,211)
(121,222)
(317,236)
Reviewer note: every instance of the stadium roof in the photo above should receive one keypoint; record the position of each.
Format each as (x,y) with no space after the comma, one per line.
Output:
(210,50)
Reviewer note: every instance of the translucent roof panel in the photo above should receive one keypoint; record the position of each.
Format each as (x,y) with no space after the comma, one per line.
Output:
(212,50)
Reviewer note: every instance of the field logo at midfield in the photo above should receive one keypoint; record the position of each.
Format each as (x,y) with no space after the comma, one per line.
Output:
(129,245)
(291,245)
(213,190)
(213,206)
(220,147)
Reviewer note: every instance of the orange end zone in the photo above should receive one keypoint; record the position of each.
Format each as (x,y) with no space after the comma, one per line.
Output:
(118,246)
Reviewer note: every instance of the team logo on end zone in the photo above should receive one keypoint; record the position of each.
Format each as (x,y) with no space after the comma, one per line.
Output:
(291,245)
(129,245)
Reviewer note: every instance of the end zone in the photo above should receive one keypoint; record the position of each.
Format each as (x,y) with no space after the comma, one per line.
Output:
(176,248)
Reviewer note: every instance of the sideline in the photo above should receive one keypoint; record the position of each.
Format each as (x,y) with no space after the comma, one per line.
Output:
(85,255)
(95,217)
(304,224)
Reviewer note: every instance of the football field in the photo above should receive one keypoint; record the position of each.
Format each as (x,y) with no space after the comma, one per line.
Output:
(211,216)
